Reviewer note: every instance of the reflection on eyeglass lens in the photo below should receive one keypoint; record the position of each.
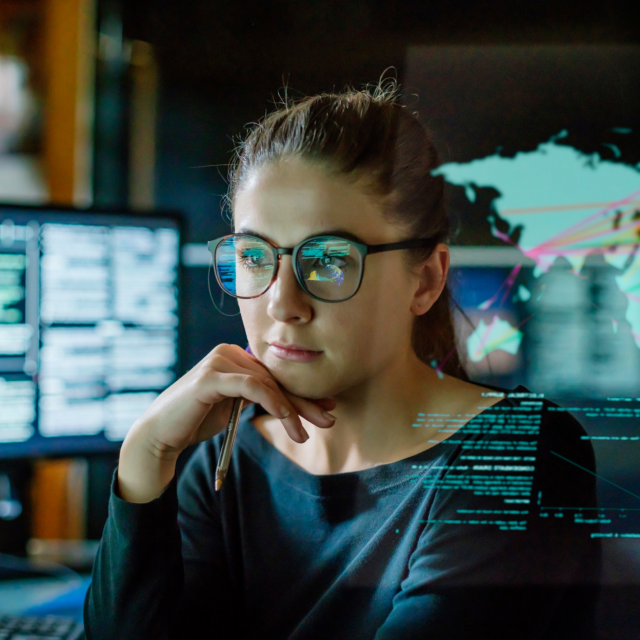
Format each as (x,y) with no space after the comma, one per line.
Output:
(328,267)
(329,262)
(253,255)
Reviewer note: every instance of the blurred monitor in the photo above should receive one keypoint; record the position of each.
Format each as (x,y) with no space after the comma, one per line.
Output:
(89,323)
(561,334)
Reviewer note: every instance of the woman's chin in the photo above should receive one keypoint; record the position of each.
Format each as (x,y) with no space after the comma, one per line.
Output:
(305,385)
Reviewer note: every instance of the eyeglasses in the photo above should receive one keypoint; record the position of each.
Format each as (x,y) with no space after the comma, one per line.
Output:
(328,268)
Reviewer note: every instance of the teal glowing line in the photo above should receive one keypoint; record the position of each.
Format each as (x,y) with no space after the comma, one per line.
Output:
(596,475)
(592,508)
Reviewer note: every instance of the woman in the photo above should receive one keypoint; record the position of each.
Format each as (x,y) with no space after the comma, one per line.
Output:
(339,518)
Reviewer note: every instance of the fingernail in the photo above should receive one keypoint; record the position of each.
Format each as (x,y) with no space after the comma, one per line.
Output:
(328,416)
(304,435)
(284,412)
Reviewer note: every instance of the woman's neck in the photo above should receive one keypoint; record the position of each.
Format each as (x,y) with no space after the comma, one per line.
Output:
(374,420)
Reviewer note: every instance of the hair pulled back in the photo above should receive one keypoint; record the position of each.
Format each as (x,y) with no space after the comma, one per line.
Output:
(368,136)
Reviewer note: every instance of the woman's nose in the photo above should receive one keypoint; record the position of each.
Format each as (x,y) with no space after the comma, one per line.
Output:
(287,300)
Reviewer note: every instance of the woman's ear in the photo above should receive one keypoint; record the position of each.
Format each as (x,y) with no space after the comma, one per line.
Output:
(432,277)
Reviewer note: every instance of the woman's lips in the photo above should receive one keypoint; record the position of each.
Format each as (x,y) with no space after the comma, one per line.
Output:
(294,355)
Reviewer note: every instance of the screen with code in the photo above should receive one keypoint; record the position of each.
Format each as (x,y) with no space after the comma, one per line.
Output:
(88,325)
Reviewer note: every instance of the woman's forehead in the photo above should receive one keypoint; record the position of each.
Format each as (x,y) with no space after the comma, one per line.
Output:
(292,200)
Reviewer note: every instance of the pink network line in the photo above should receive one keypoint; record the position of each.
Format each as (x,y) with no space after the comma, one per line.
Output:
(503,338)
(525,320)
(546,247)
(439,367)
(505,238)
(556,240)
(509,282)
(485,337)
(575,238)
(608,229)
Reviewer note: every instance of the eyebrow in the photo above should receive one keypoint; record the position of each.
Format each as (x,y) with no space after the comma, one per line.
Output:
(328,232)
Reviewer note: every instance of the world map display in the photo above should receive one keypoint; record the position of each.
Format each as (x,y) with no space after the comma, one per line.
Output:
(558,202)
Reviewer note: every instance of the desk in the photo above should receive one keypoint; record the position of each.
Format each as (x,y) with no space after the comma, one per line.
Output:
(43,596)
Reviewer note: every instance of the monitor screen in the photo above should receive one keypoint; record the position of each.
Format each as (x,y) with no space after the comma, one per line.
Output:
(562,335)
(88,325)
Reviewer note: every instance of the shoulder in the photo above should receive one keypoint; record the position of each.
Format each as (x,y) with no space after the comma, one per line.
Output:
(543,433)
(561,423)
(566,459)
(557,426)
(561,434)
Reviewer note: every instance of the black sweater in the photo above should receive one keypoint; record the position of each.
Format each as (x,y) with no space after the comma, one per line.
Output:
(450,543)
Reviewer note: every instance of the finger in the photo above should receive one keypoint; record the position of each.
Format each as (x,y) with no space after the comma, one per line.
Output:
(311,411)
(328,404)
(242,358)
(229,362)
(216,386)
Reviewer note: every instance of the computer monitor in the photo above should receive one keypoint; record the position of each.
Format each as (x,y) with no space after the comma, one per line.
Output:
(562,335)
(89,323)
(540,150)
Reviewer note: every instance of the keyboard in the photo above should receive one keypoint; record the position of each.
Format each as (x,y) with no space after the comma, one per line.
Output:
(39,628)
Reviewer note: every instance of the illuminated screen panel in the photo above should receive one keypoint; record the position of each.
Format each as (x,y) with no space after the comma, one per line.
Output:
(88,326)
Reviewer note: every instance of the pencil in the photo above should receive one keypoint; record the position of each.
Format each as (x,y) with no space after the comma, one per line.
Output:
(227,443)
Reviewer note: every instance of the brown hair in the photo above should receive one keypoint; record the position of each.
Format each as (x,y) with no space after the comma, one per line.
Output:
(367,135)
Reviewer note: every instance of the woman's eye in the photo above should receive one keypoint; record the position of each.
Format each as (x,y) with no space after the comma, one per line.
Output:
(334,261)
(252,260)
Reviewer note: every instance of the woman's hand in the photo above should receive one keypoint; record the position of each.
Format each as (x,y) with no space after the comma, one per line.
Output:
(197,407)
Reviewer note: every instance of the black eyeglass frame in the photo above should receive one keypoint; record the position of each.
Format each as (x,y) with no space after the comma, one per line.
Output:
(363,249)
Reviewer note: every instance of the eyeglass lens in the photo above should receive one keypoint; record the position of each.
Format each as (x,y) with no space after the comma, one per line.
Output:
(329,267)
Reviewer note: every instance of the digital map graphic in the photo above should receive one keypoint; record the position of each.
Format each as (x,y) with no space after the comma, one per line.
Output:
(565,203)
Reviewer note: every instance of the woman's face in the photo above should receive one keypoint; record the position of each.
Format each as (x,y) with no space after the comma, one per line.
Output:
(286,203)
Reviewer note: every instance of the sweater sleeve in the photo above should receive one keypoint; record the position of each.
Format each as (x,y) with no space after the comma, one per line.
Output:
(159,574)
(480,581)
